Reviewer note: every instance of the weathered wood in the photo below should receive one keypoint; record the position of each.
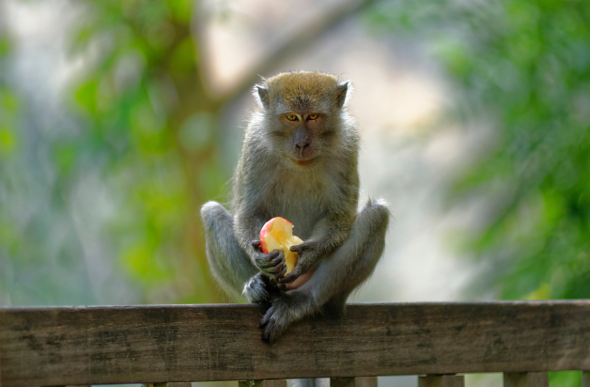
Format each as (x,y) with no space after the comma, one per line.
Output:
(250,383)
(342,382)
(274,383)
(586,379)
(367,381)
(526,379)
(441,381)
(263,383)
(102,345)
(169,384)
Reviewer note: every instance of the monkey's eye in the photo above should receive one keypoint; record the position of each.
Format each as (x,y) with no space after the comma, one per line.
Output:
(292,117)
(313,116)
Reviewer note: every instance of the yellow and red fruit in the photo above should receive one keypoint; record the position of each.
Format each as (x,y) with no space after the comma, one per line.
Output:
(277,234)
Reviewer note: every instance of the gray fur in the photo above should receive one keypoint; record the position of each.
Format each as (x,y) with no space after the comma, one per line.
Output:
(320,199)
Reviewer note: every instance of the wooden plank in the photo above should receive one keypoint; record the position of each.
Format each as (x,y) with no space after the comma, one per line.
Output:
(367,381)
(274,383)
(586,379)
(103,345)
(342,382)
(263,383)
(526,379)
(441,381)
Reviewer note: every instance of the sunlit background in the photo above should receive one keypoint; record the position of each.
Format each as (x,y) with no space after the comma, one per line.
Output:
(119,119)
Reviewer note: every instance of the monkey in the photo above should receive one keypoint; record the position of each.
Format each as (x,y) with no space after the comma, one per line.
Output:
(299,160)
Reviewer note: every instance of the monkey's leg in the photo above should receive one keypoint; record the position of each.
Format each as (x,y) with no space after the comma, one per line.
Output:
(336,276)
(229,264)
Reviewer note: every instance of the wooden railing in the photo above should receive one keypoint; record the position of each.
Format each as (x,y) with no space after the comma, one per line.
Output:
(185,343)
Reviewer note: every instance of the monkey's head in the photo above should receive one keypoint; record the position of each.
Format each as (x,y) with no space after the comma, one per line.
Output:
(303,112)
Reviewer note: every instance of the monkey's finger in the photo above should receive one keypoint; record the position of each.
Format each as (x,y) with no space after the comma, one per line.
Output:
(278,261)
(292,276)
(257,245)
(276,270)
(277,276)
(282,272)
(265,261)
(297,248)
(300,247)
(275,253)
(276,256)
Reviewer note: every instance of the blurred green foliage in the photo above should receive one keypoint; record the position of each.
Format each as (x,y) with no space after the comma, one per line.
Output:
(524,66)
(126,172)
(140,99)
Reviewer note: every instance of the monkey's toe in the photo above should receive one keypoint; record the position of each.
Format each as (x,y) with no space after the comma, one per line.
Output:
(270,328)
(274,322)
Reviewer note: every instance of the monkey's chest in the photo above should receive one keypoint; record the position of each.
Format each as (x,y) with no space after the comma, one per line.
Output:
(302,207)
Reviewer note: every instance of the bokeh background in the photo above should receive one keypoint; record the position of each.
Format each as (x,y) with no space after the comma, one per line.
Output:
(118,119)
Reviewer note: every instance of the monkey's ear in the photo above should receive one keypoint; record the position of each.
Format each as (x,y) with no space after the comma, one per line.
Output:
(341,94)
(263,95)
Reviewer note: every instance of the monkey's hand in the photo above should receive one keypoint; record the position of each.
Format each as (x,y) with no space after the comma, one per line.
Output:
(259,289)
(272,264)
(308,255)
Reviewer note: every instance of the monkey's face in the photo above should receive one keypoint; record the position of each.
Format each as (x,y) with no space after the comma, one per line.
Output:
(303,136)
(302,110)
(302,132)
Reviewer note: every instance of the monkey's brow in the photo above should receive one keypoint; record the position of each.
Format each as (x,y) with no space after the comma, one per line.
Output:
(298,112)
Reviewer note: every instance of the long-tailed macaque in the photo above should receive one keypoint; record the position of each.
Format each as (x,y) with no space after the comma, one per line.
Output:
(298,161)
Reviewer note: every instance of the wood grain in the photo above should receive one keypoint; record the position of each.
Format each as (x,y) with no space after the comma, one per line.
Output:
(263,383)
(274,383)
(441,381)
(170,384)
(367,381)
(342,382)
(176,343)
(527,379)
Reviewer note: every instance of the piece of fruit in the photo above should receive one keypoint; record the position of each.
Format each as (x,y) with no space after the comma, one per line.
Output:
(277,234)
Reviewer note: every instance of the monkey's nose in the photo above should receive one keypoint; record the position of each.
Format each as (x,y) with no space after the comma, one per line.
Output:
(301,147)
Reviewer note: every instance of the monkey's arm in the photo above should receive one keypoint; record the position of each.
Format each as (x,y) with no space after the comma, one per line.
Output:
(329,233)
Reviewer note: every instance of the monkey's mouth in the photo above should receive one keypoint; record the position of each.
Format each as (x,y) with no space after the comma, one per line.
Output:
(302,162)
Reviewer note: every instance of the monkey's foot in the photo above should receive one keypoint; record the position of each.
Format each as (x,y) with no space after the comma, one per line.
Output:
(286,309)
(255,290)
(260,289)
